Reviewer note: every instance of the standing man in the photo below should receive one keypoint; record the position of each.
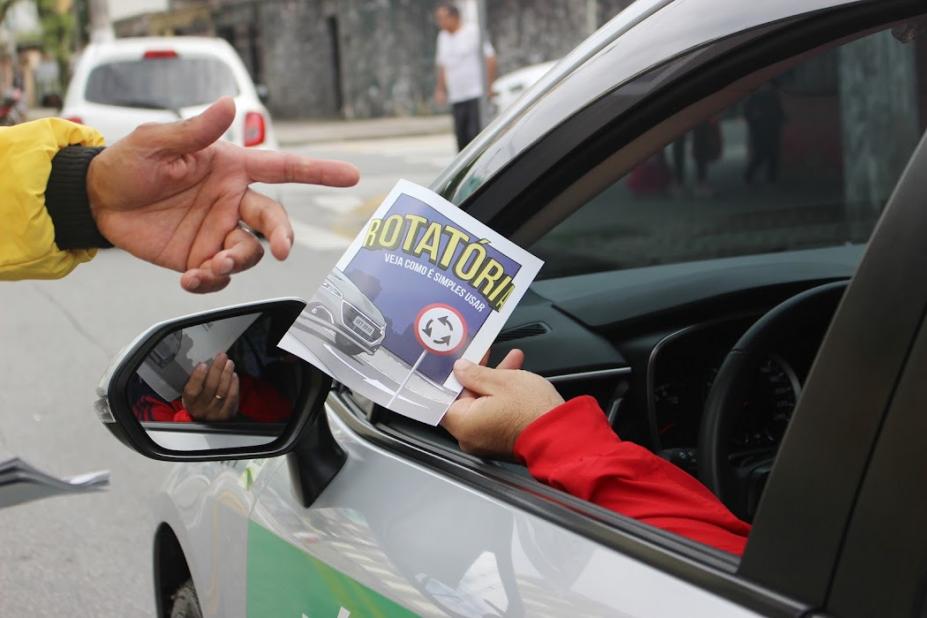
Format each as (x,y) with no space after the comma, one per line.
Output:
(460,76)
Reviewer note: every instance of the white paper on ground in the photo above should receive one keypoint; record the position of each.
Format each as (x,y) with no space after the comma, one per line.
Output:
(20,482)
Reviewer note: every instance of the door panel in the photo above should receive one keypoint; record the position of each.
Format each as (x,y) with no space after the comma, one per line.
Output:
(387,534)
(207,506)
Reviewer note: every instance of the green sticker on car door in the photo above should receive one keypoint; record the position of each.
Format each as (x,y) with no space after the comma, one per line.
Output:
(287,582)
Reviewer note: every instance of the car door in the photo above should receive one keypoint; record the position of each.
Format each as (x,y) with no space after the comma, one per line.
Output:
(412,526)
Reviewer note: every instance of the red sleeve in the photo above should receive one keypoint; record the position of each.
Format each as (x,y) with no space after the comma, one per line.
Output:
(261,402)
(152,409)
(574,449)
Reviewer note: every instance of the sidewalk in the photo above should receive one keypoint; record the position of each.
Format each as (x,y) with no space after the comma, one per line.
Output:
(299,132)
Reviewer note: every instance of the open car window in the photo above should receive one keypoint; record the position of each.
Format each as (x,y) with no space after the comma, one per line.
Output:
(803,158)
(799,156)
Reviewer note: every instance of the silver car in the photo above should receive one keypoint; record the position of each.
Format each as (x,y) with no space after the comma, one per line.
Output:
(729,199)
(340,313)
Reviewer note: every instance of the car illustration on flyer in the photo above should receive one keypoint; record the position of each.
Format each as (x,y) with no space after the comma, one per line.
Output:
(422,285)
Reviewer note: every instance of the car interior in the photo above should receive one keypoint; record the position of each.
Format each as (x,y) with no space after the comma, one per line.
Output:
(732,226)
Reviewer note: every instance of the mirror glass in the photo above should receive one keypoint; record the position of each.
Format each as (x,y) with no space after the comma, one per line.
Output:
(218,384)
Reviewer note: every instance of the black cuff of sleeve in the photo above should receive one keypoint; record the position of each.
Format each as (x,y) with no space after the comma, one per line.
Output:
(67,203)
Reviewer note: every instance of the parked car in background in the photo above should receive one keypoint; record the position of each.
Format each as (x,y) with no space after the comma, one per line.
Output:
(506,89)
(121,84)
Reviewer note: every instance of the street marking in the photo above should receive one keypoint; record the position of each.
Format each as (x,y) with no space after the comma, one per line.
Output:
(318,239)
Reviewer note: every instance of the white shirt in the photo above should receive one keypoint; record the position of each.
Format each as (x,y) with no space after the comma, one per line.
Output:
(457,54)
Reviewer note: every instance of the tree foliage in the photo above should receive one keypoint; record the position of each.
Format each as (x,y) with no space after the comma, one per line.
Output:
(4,7)
(58,30)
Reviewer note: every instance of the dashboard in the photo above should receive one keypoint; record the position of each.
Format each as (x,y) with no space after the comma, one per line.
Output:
(682,370)
(648,343)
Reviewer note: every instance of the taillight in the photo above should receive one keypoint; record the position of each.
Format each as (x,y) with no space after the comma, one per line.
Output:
(76,119)
(255,130)
(159,54)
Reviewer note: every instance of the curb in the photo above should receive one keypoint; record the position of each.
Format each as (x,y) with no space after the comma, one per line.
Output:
(300,133)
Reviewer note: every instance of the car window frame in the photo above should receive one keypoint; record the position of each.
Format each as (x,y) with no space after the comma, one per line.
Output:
(526,194)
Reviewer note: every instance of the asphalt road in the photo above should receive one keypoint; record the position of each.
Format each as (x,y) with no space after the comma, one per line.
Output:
(90,555)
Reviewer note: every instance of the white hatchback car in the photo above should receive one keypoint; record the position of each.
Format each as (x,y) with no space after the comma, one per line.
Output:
(123,83)
(507,88)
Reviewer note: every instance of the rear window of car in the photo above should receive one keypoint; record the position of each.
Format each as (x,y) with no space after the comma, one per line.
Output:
(164,83)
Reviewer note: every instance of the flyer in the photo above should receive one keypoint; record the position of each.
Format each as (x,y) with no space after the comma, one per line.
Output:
(422,285)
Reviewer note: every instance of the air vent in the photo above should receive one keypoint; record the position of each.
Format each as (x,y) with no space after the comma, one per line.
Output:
(521,332)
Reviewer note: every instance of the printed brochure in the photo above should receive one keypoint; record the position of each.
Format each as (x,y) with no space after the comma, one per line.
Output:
(421,286)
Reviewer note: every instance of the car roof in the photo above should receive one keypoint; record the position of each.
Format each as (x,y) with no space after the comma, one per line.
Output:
(641,37)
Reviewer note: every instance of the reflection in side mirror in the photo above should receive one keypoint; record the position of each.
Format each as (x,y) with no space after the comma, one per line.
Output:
(214,384)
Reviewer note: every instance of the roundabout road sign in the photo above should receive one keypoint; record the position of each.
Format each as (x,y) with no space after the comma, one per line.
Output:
(440,329)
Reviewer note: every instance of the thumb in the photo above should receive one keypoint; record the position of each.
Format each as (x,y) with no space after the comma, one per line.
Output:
(477,378)
(455,415)
(193,134)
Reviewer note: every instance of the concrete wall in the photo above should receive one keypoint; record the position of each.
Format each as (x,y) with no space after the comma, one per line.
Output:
(528,32)
(385,48)
(297,59)
(531,31)
(387,57)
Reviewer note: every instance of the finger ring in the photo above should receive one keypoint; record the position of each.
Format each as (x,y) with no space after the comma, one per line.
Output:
(219,397)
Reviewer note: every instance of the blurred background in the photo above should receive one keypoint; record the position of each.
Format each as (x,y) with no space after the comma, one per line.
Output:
(351,59)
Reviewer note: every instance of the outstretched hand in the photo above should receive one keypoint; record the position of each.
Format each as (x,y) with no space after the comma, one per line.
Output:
(496,405)
(173,194)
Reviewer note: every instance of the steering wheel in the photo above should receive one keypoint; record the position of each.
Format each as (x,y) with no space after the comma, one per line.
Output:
(738,479)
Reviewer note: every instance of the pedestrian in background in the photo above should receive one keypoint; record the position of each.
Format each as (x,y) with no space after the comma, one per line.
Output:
(460,76)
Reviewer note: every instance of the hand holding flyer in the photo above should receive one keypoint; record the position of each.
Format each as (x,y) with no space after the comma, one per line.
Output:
(422,285)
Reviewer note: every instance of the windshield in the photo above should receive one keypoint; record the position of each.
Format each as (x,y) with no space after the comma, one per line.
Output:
(160,83)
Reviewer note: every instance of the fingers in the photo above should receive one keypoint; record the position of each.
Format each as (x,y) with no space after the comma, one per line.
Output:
(478,379)
(276,167)
(214,378)
(193,134)
(194,385)
(513,360)
(242,251)
(225,380)
(230,402)
(268,217)
(456,416)
(203,281)
(211,394)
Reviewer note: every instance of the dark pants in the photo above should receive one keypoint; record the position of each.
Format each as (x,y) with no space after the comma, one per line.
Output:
(765,142)
(700,146)
(466,121)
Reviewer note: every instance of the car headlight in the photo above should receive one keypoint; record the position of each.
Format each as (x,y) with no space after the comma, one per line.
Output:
(330,287)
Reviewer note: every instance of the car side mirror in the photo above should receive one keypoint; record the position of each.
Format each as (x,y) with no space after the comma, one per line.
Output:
(173,395)
(263,93)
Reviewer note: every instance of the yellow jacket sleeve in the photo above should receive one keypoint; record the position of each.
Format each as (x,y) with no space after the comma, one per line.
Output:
(27,235)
